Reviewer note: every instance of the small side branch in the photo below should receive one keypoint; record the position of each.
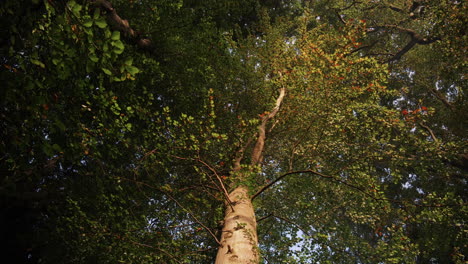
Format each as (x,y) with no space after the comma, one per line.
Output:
(362,48)
(271,184)
(430,132)
(318,174)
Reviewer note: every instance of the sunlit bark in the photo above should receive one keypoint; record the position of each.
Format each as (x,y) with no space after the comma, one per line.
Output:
(239,234)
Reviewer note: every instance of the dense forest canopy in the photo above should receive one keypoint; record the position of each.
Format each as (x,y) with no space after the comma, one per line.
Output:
(233,131)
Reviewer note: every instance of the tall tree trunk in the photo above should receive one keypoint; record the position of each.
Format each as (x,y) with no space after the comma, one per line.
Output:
(239,234)
(239,242)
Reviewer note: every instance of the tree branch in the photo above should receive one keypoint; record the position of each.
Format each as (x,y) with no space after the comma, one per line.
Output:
(259,145)
(404,50)
(416,38)
(396,9)
(430,132)
(318,174)
(442,98)
(222,189)
(122,25)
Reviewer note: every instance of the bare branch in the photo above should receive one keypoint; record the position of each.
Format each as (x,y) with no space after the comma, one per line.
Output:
(362,48)
(265,217)
(340,18)
(222,189)
(349,6)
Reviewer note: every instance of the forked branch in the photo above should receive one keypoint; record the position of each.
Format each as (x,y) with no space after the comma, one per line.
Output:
(416,38)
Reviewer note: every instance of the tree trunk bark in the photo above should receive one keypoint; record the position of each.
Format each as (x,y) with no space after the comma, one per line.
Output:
(239,242)
(239,235)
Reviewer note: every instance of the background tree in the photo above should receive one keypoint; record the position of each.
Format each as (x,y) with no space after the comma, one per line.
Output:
(129,128)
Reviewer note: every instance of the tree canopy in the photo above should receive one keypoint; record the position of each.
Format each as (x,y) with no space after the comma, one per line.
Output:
(135,131)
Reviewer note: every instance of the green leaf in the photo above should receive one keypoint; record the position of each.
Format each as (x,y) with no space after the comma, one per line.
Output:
(118,44)
(128,61)
(38,63)
(94,58)
(115,35)
(132,69)
(76,9)
(106,71)
(118,51)
(128,126)
(88,23)
(56,147)
(71,4)
(96,14)
(101,22)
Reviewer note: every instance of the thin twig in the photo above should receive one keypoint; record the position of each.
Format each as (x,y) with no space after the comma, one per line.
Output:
(265,217)
(292,223)
(285,220)
(316,173)
(225,192)
(222,189)
(194,217)
(180,205)
(159,249)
